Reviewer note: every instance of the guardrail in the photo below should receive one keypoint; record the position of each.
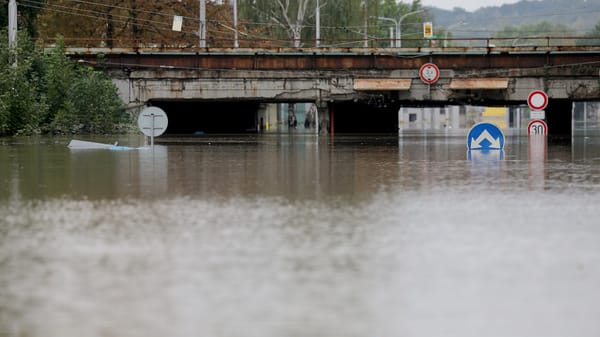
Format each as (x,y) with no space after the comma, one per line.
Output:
(533,43)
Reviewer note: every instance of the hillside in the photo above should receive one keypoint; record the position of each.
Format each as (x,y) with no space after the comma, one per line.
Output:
(579,15)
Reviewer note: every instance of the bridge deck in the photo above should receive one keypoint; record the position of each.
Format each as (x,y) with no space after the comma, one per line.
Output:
(346,58)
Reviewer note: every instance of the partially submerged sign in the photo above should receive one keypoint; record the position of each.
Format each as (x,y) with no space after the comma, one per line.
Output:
(537,127)
(153,121)
(485,136)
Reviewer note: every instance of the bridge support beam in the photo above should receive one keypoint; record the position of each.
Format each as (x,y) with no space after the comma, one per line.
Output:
(324,115)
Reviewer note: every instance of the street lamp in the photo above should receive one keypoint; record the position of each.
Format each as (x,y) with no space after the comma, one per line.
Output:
(397,23)
(318,22)
(398,30)
(392,42)
(448,30)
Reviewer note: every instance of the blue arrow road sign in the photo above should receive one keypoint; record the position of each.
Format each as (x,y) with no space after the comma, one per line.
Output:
(485,136)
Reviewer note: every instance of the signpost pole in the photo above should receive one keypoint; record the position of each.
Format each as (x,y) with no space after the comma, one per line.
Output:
(152,137)
(202,28)
(12,27)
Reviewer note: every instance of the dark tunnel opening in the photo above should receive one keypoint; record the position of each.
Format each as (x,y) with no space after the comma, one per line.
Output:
(362,117)
(195,117)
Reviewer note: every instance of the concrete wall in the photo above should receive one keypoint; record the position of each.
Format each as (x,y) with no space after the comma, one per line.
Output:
(319,86)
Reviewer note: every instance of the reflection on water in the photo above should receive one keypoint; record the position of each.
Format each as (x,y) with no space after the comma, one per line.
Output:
(294,167)
(299,235)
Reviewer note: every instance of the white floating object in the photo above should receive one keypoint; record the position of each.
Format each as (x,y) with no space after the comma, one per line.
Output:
(85,145)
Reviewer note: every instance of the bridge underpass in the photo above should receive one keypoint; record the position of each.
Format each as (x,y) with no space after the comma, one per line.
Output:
(195,117)
(377,115)
(345,83)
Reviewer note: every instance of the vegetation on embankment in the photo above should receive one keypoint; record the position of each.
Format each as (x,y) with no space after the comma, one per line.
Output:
(44,92)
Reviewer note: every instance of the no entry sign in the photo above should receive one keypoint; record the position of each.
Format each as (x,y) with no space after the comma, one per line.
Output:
(537,100)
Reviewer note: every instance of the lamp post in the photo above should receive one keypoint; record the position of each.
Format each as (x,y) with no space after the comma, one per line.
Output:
(398,27)
(448,30)
(397,41)
(392,42)
(318,28)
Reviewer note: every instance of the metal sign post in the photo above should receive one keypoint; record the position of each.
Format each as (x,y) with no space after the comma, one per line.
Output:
(153,122)
(12,27)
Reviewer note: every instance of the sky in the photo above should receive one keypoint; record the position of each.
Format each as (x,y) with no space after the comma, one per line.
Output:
(469,5)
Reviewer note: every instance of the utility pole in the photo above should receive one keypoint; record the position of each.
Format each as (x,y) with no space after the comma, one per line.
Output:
(12,28)
(236,43)
(366,23)
(202,28)
(318,19)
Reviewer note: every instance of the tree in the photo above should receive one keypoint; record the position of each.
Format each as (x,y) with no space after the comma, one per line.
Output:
(533,35)
(591,38)
(28,14)
(292,16)
(20,101)
(132,23)
(48,93)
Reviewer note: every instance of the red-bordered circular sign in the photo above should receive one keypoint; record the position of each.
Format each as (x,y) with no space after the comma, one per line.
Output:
(537,127)
(537,100)
(429,73)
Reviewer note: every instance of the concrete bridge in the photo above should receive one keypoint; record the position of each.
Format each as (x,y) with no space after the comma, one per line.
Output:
(359,86)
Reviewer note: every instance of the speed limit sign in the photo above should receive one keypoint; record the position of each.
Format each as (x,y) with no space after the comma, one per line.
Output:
(537,127)
(429,73)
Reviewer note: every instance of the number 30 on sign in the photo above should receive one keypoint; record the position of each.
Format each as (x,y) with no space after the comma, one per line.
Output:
(537,127)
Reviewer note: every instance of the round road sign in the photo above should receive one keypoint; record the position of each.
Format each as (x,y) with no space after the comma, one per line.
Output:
(429,73)
(537,127)
(537,100)
(153,121)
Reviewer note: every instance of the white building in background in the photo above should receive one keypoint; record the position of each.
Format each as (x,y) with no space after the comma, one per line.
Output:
(432,118)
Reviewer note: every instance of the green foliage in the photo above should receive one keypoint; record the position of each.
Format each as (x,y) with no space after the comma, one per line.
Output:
(27,15)
(59,75)
(591,38)
(92,103)
(539,34)
(47,93)
(20,101)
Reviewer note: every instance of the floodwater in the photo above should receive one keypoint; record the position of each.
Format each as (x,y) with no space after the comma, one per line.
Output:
(300,235)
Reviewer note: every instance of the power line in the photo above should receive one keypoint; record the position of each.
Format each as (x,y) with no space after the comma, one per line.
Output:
(75,11)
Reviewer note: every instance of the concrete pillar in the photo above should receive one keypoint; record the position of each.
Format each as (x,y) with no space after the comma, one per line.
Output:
(262,120)
(324,115)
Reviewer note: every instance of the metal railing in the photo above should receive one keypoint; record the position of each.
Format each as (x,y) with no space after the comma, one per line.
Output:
(534,43)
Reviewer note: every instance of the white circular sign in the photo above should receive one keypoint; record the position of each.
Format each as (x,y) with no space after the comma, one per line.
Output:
(153,121)
(429,73)
(537,127)
(537,100)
